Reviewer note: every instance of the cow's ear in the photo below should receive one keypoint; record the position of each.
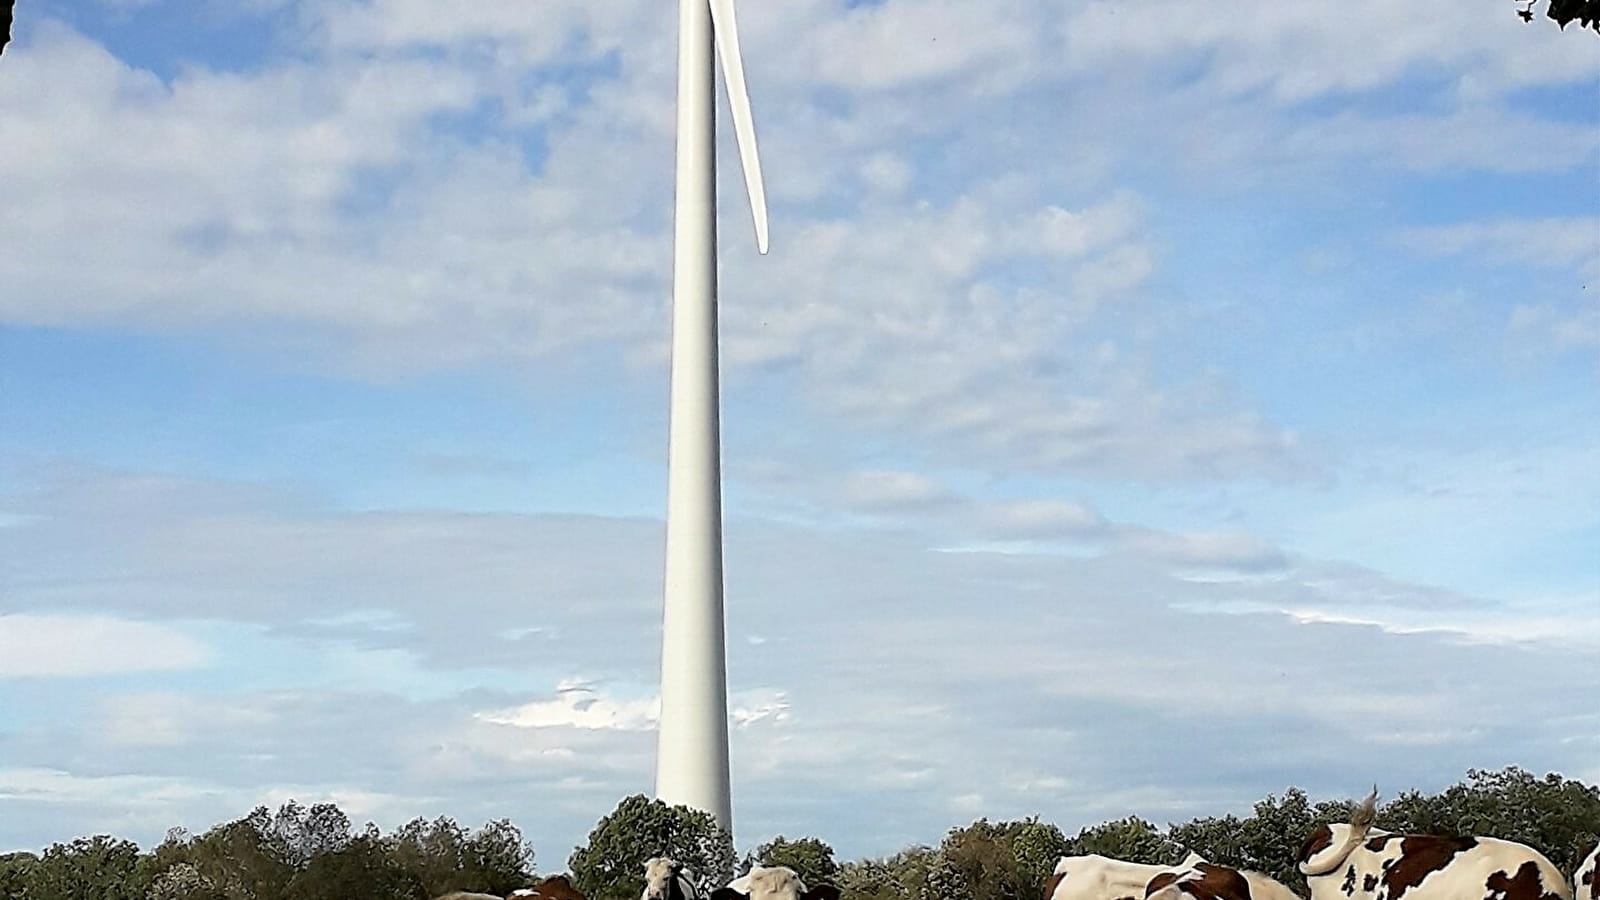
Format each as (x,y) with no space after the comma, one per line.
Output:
(727,893)
(821,892)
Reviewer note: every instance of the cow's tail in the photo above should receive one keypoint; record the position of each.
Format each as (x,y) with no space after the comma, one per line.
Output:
(1324,856)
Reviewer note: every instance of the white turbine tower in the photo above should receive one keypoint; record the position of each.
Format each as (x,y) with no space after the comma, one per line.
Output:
(692,753)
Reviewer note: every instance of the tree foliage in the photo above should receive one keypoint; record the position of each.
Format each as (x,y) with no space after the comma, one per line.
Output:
(1132,839)
(182,881)
(610,865)
(16,873)
(359,869)
(312,853)
(93,868)
(810,858)
(1585,12)
(444,857)
(1268,841)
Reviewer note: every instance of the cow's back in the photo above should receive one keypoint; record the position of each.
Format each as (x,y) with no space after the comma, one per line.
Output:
(1431,867)
(1096,877)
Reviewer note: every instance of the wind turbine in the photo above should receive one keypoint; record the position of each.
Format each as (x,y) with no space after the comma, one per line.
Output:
(692,749)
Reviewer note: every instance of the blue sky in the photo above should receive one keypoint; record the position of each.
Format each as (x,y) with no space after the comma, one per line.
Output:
(1139,411)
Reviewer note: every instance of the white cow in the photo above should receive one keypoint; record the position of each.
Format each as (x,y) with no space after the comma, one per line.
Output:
(1208,881)
(1096,877)
(1586,881)
(667,879)
(773,883)
(1358,862)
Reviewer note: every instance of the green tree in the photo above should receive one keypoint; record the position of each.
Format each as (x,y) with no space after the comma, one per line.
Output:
(910,874)
(868,879)
(360,869)
(435,852)
(92,868)
(610,865)
(297,834)
(241,859)
(810,858)
(176,849)
(977,862)
(16,873)
(998,860)
(1036,846)
(182,881)
(1132,839)
(443,857)
(498,858)
(1268,841)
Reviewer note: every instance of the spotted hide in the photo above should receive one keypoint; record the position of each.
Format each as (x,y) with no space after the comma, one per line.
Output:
(1586,881)
(1207,881)
(1096,877)
(1358,862)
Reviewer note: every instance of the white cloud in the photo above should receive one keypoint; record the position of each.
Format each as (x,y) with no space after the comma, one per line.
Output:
(1294,52)
(579,705)
(1211,551)
(1043,519)
(1569,242)
(888,491)
(900,43)
(172,719)
(48,645)
(55,785)
(748,708)
(1039,652)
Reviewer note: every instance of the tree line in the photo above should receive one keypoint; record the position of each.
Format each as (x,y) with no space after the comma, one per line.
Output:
(313,853)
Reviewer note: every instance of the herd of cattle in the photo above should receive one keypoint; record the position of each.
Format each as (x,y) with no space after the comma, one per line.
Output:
(1353,861)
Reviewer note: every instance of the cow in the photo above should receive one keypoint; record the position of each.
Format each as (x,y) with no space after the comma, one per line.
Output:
(1356,861)
(556,887)
(1586,881)
(467,895)
(1097,877)
(667,879)
(773,883)
(1208,881)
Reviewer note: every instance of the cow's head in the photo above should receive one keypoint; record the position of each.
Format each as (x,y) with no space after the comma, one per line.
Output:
(1326,847)
(775,883)
(661,879)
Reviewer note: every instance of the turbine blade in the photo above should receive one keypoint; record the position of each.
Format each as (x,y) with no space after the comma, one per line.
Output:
(744,126)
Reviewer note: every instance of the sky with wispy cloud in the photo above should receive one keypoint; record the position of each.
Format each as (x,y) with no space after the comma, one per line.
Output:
(1143,408)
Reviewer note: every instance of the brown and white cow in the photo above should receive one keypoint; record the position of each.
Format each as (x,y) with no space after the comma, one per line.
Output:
(1096,877)
(1358,862)
(556,887)
(1208,881)
(773,883)
(1586,881)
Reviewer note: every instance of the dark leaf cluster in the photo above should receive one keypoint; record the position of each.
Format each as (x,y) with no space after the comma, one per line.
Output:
(1585,12)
